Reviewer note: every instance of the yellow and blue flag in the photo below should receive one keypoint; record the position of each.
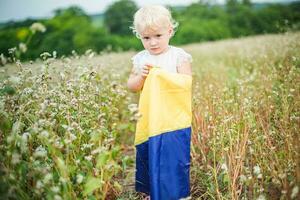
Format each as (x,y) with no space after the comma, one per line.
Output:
(163,135)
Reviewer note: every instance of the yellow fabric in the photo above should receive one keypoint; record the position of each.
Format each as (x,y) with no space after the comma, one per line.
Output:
(164,105)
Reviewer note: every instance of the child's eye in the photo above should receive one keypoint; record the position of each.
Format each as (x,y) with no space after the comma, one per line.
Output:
(158,35)
(146,38)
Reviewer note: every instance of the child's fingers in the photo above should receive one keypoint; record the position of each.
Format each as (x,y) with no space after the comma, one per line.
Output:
(145,72)
(148,66)
(145,68)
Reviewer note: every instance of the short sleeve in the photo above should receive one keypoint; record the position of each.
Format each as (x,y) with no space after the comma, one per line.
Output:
(137,61)
(183,56)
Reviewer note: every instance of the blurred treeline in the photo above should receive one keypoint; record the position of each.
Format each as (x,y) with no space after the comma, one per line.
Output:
(72,29)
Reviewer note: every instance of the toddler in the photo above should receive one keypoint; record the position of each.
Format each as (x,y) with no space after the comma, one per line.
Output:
(163,75)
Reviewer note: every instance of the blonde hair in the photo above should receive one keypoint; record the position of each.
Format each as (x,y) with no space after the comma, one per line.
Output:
(152,16)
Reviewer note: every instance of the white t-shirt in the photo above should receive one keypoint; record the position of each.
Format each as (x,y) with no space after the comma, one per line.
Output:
(168,60)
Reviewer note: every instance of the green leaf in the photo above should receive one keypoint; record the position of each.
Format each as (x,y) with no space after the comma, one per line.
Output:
(115,152)
(102,159)
(91,185)
(5,123)
(8,90)
(226,179)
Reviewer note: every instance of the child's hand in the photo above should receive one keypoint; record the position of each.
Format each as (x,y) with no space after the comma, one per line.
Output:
(145,70)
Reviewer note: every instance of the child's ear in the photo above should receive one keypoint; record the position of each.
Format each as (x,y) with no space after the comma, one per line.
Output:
(170,31)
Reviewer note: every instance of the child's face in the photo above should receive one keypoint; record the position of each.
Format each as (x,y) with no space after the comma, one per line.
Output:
(156,41)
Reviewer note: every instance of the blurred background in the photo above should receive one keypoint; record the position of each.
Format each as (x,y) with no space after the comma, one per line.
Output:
(69,26)
(67,125)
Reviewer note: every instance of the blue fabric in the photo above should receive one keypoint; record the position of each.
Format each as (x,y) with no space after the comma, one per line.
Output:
(163,165)
(142,183)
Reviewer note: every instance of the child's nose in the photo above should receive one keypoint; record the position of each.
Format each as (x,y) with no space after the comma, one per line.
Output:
(153,41)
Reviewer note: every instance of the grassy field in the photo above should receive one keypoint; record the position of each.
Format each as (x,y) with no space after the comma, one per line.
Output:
(67,125)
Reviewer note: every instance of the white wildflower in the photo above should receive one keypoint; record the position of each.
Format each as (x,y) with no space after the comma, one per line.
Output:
(91,55)
(282,175)
(45,55)
(39,184)
(37,27)
(261,197)
(62,75)
(259,176)
(75,125)
(133,108)
(227,119)
(14,79)
(25,137)
(47,178)
(64,126)
(3,60)
(88,158)
(295,192)
(256,170)
(251,150)
(55,189)
(27,91)
(15,158)
(283,191)
(68,128)
(44,133)
(41,122)
(24,140)
(95,151)
(72,137)
(79,178)
(74,101)
(85,146)
(243,178)
(58,144)
(87,52)
(43,106)
(22,47)
(54,54)
(224,167)
(40,152)
(62,179)
(12,50)
(16,127)
(57,197)
(67,141)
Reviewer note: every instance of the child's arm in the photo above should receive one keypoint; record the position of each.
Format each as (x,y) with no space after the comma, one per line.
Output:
(185,68)
(136,80)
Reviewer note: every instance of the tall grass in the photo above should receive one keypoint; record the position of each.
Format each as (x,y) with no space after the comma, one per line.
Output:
(67,124)
(246,118)
(60,131)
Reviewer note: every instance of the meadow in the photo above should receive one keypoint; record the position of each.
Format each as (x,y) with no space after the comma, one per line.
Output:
(67,124)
